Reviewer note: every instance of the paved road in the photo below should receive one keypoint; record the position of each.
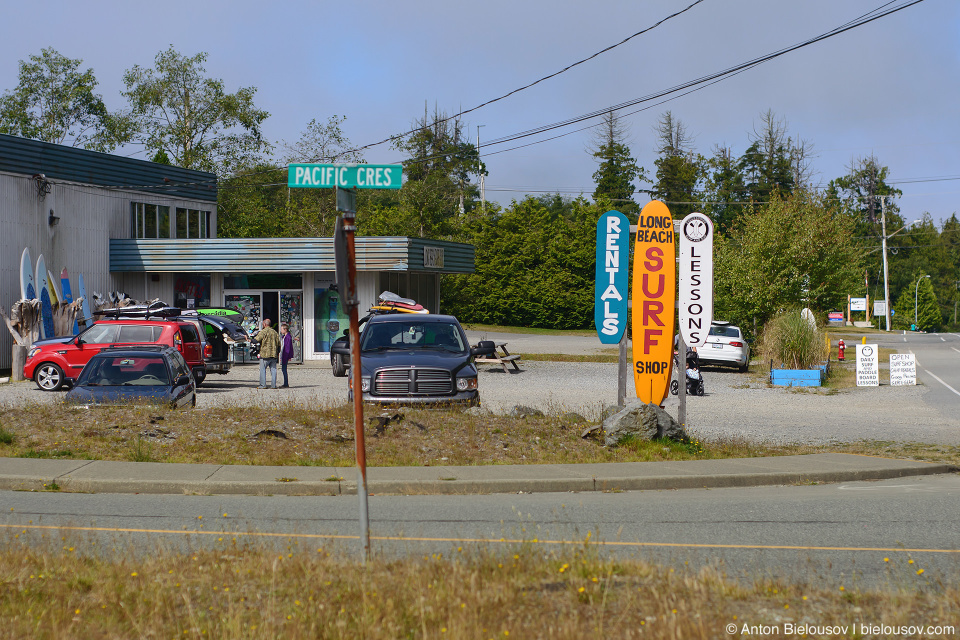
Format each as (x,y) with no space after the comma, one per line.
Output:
(826,534)
(938,367)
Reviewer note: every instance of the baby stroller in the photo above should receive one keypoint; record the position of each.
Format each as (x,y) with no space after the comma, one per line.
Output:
(693,376)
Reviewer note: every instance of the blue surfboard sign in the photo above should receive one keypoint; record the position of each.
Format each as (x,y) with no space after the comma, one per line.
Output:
(612,283)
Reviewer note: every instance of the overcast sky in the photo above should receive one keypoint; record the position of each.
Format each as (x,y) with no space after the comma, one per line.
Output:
(890,88)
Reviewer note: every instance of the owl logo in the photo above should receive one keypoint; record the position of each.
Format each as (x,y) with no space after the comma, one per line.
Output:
(696,229)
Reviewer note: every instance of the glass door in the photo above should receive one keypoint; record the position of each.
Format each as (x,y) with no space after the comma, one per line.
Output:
(249,305)
(291,312)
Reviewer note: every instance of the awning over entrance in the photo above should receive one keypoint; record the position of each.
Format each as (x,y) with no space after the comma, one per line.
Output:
(225,255)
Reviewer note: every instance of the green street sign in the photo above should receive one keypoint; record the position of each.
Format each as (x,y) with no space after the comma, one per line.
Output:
(347,176)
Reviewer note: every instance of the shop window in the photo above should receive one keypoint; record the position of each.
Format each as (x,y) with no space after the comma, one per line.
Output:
(191,291)
(290,281)
(193,223)
(150,221)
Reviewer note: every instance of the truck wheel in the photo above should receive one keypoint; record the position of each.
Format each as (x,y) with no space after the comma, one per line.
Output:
(49,376)
(339,368)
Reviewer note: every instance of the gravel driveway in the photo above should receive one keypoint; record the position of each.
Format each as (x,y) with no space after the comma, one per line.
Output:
(728,409)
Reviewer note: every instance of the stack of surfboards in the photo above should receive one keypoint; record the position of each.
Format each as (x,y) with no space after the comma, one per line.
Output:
(38,283)
(391,302)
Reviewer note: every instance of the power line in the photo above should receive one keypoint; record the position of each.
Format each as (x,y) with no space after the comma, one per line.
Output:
(730,71)
(689,86)
(538,81)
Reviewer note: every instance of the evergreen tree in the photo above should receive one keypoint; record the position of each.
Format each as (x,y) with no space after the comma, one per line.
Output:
(917,305)
(679,169)
(767,164)
(617,171)
(438,189)
(724,191)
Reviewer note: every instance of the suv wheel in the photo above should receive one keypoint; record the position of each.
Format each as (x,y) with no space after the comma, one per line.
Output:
(49,376)
(339,368)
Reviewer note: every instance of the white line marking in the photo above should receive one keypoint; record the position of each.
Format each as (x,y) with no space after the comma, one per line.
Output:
(941,382)
(955,349)
(942,339)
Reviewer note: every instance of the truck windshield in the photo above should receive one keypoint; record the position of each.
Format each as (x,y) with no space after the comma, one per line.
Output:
(412,334)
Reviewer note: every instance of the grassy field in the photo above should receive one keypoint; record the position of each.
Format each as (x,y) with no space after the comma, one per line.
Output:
(308,436)
(237,591)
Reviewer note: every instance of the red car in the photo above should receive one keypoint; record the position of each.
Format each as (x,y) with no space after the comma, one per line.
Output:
(52,362)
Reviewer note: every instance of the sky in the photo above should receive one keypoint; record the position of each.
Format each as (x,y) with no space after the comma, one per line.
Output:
(890,88)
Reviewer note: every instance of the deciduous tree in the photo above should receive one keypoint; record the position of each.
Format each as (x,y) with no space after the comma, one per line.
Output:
(56,101)
(189,119)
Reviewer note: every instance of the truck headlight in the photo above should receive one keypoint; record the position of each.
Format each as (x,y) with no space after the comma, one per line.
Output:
(365,384)
(466,384)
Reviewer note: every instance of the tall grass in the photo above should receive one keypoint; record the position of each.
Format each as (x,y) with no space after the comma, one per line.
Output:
(793,342)
(68,589)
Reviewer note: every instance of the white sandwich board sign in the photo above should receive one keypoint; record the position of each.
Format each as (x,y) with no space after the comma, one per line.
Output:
(903,369)
(868,366)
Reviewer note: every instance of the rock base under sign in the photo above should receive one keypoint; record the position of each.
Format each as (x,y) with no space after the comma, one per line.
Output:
(641,420)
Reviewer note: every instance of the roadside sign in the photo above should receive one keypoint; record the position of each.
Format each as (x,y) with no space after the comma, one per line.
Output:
(903,369)
(613,261)
(696,279)
(349,176)
(654,299)
(868,366)
(879,308)
(858,304)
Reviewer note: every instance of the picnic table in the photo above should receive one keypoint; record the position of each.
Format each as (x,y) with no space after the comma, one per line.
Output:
(500,356)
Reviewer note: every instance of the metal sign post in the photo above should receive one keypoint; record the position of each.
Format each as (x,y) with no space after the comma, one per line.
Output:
(346,238)
(346,179)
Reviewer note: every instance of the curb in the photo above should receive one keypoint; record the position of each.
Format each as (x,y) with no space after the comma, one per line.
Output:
(129,477)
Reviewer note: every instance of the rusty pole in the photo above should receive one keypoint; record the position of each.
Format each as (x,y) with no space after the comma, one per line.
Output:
(349,227)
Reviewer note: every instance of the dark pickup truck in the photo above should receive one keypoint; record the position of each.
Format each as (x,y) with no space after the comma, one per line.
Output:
(408,358)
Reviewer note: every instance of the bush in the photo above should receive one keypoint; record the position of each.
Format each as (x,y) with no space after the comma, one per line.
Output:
(793,342)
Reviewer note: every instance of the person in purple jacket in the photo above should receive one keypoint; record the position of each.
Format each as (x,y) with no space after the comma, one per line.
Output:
(286,352)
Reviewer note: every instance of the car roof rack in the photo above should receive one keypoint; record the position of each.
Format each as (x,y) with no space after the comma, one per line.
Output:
(135,346)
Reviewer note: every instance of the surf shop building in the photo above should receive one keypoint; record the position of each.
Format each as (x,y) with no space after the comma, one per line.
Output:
(150,231)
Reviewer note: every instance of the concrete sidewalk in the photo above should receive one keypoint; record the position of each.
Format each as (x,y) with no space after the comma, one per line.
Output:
(21,474)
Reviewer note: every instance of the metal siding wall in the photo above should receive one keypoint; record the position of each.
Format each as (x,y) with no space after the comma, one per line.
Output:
(89,218)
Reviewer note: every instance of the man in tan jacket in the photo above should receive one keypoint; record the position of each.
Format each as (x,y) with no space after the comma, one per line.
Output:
(269,350)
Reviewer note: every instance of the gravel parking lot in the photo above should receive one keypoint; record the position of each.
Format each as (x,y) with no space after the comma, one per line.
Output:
(734,405)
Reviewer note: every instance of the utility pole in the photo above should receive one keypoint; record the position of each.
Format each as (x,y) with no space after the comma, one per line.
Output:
(886,283)
(483,199)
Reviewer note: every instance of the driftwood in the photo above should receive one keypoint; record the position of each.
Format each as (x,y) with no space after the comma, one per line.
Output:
(23,321)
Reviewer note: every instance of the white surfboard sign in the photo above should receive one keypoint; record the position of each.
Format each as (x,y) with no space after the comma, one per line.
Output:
(696,279)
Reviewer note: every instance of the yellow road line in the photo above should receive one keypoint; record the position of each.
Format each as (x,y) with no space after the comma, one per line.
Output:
(599,543)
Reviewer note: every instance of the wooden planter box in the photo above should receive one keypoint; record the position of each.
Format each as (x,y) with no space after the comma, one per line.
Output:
(799,377)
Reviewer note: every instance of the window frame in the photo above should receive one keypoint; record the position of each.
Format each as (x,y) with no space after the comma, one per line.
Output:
(142,212)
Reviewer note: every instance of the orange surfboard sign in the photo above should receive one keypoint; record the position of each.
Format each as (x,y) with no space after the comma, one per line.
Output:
(654,300)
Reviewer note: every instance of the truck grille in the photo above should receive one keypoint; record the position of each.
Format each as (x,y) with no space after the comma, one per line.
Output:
(413,382)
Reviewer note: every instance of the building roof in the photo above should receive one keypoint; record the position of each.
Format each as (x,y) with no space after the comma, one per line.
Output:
(59,162)
(259,255)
